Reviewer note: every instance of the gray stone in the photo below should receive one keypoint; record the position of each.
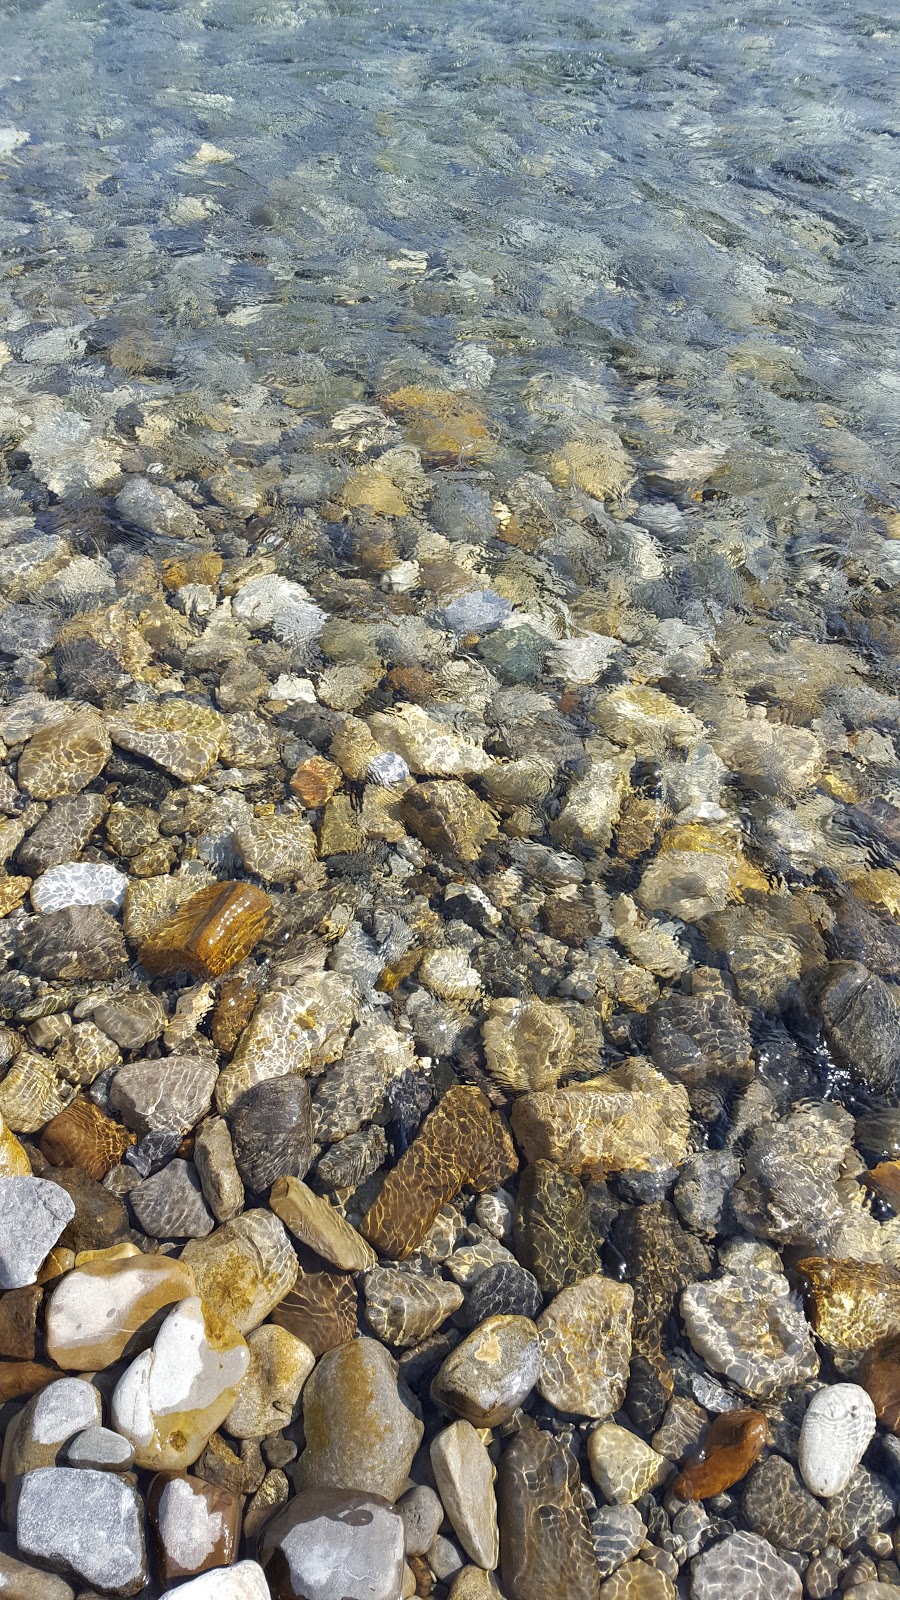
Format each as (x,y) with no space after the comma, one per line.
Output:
(505,1289)
(464,1474)
(491,1373)
(422,1515)
(362,1424)
(777,1506)
(619,1533)
(271,1132)
(33,1214)
(170,1204)
(61,834)
(35,1437)
(89,1524)
(750,1328)
(444,1559)
(77,942)
(217,1169)
(101,1449)
(404,1306)
(704,1185)
(861,1020)
(156,509)
(173,1093)
(328,1544)
(743,1565)
(131,1020)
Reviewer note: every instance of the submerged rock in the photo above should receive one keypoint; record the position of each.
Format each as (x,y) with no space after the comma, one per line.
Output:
(546,1549)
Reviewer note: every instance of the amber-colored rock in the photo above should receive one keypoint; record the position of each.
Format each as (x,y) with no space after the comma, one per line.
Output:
(12,891)
(21,1378)
(885,1180)
(630,1119)
(14,1162)
(445,425)
(204,566)
(196,1525)
(321,1309)
(728,1450)
(18,1316)
(851,1304)
(244,1269)
(235,1005)
(83,1136)
(97,1313)
(461,1142)
(64,757)
(317,1223)
(879,1374)
(210,933)
(316,780)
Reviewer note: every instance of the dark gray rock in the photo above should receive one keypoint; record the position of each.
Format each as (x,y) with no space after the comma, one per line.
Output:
(505,1289)
(61,834)
(170,1204)
(778,1507)
(861,1022)
(77,942)
(271,1131)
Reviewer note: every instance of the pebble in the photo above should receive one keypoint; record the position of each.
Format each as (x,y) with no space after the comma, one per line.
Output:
(14,1162)
(491,1373)
(546,1549)
(834,1436)
(585,1336)
(170,1094)
(750,1329)
(59,1513)
(210,933)
(404,1306)
(318,1224)
(220,1180)
(18,1322)
(276,1043)
(422,1514)
(329,1543)
(244,1268)
(638,1580)
(131,1020)
(618,1533)
(77,942)
(851,1304)
(622,1465)
(82,1135)
(95,1312)
(170,1204)
(61,834)
(527,1043)
(63,1409)
(731,1444)
(361,1423)
(174,1396)
(279,1367)
(630,1120)
(33,1215)
(196,1525)
(74,883)
(745,1565)
(244,1581)
(464,1475)
(861,1020)
(101,1449)
(271,1134)
(776,1505)
(553,1233)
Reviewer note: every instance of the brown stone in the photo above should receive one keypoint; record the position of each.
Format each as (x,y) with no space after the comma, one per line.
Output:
(100,1217)
(14,1162)
(235,1005)
(629,1120)
(210,933)
(546,1550)
(727,1451)
(317,1223)
(851,1304)
(321,1309)
(879,1375)
(885,1180)
(462,1142)
(83,1136)
(18,1316)
(196,1525)
(444,424)
(21,1378)
(109,1308)
(64,757)
(316,780)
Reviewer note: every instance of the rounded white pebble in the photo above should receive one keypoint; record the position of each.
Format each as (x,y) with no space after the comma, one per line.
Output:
(837,1427)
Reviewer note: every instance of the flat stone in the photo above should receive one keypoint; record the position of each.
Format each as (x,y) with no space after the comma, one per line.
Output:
(33,1214)
(170,1204)
(553,1233)
(100,1449)
(630,1119)
(546,1549)
(65,757)
(462,1142)
(464,1474)
(271,1133)
(61,834)
(78,883)
(196,1525)
(491,1373)
(321,1310)
(404,1306)
(745,1565)
(328,1544)
(210,933)
(131,1020)
(622,1465)
(179,735)
(244,1581)
(318,1224)
(18,1323)
(84,1136)
(279,1367)
(750,1329)
(835,1433)
(585,1336)
(77,942)
(276,1043)
(171,1093)
(362,1424)
(244,1269)
(174,1396)
(21,1581)
(96,1314)
(220,1180)
(60,1512)
(503,1289)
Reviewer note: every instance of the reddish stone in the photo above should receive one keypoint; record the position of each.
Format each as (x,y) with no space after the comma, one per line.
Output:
(728,1450)
(196,1525)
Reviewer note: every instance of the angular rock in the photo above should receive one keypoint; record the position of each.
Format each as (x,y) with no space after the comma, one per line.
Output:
(546,1547)
(461,1142)
(55,1415)
(196,1525)
(320,1226)
(585,1336)
(78,942)
(220,1180)
(33,1215)
(172,1093)
(174,1396)
(210,933)
(170,1204)
(244,1268)
(14,1162)
(553,1233)
(403,1306)
(276,1043)
(84,1136)
(271,1134)
(464,1474)
(321,1310)
(179,735)
(59,1513)
(631,1119)
(331,1544)
(448,818)
(358,1087)
(280,850)
(279,1367)
(745,1565)
(65,757)
(361,1423)
(131,1020)
(750,1329)
(491,1373)
(96,1313)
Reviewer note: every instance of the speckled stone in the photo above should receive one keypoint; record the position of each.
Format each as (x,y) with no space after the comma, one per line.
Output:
(777,1506)
(585,1336)
(745,1565)
(271,1133)
(59,1513)
(33,1215)
(196,1525)
(491,1373)
(623,1466)
(279,1367)
(362,1424)
(95,1313)
(750,1329)
(553,1233)
(244,1268)
(331,1544)
(546,1549)
(630,1119)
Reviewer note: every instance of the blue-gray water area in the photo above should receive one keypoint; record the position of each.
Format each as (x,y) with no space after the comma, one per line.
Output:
(449,776)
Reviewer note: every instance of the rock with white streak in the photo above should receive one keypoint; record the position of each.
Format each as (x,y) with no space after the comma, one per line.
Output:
(33,1214)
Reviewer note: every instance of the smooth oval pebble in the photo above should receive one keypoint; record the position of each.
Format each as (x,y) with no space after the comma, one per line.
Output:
(836,1430)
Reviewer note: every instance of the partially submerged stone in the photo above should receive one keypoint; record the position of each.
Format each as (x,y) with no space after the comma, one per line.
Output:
(334,1544)
(244,1268)
(318,1224)
(585,1336)
(63,758)
(196,1525)
(361,1423)
(95,1314)
(491,1373)
(630,1119)
(210,933)
(83,1135)
(179,735)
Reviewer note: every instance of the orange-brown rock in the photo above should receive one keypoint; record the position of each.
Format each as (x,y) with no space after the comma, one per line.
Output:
(727,1451)
(14,1162)
(879,1375)
(235,1005)
(321,1309)
(84,1136)
(885,1180)
(21,1378)
(316,780)
(445,425)
(109,1308)
(210,933)
(462,1142)
(203,567)
(851,1304)
(18,1317)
